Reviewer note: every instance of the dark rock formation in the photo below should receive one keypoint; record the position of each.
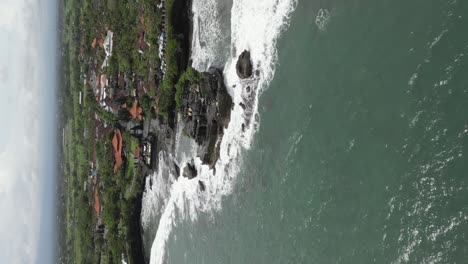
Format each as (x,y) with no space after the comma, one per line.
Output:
(242,105)
(206,112)
(190,171)
(244,65)
(202,186)
(177,170)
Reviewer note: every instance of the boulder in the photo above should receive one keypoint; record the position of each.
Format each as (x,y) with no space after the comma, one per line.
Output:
(244,65)
(202,186)
(242,105)
(189,171)
(177,170)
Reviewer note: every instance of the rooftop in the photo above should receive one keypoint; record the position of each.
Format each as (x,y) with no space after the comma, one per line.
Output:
(117,147)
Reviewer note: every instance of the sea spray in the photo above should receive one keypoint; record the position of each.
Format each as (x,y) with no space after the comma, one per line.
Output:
(211,36)
(254,26)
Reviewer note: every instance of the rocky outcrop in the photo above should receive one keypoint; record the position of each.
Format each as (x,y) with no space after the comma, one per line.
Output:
(244,65)
(176,169)
(190,171)
(206,112)
(202,186)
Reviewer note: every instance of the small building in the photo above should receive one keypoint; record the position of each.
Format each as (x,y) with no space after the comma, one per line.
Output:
(137,155)
(136,111)
(145,152)
(117,149)
(108,42)
(97,203)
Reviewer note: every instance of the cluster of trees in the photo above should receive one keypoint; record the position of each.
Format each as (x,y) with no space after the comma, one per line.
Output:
(124,20)
(176,60)
(76,221)
(166,92)
(120,192)
(121,200)
(189,77)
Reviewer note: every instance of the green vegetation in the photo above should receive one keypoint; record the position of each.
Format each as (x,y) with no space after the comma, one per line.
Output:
(120,201)
(189,77)
(166,91)
(119,193)
(175,65)
(88,128)
(77,220)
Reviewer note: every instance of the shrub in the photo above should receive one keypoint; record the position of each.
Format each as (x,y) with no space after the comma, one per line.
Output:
(189,77)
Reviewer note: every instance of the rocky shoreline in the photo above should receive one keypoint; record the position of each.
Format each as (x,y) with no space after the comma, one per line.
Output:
(203,111)
(204,114)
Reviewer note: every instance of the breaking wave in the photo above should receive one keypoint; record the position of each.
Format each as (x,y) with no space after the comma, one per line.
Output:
(221,31)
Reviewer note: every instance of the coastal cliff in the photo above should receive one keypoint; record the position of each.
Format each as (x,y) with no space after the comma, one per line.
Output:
(206,110)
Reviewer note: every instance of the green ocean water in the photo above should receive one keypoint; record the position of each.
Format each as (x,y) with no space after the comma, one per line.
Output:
(361,153)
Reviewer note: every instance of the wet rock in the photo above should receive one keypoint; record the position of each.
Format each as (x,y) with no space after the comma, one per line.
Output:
(257,73)
(190,171)
(244,65)
(242,105)
(243,127)
(202,186)
(177,170)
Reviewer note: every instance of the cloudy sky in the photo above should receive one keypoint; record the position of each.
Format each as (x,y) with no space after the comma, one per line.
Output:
(27,130)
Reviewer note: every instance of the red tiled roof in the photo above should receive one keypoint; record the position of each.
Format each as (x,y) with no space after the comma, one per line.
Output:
(117,145)
(137,152)
(136,111)
(97,204)
(133,109)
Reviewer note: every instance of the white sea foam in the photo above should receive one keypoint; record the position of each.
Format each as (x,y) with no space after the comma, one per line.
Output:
(254,26)
(211,37)
(322,19)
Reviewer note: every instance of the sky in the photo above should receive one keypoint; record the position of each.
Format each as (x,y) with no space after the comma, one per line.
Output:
(27,131)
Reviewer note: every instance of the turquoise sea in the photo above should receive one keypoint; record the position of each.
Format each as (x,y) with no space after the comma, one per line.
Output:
(361,150)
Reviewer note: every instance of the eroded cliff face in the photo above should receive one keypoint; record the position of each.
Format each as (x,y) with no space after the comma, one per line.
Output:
(206,111)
